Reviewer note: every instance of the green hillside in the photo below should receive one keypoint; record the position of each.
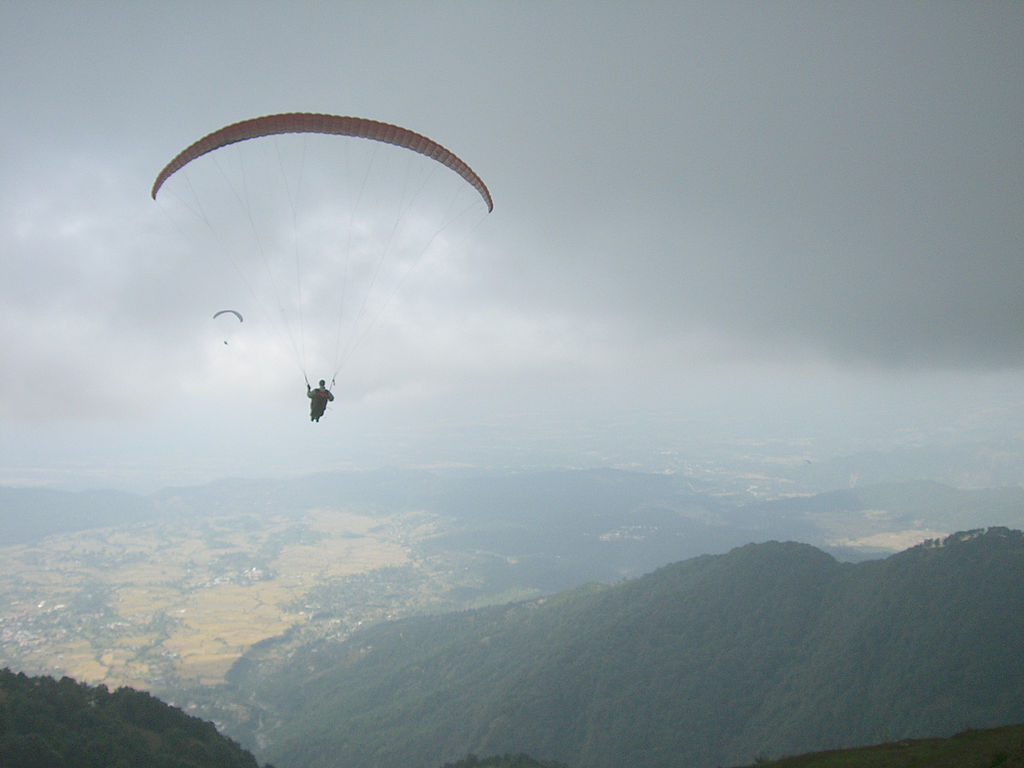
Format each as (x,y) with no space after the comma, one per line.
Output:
(502,761)
(47,723)
(771,649)
(44,723)
(990,748)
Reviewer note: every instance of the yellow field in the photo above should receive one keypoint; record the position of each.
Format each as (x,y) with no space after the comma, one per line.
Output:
(126,606)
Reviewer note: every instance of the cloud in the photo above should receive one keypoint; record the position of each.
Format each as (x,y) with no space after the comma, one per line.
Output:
(802,181)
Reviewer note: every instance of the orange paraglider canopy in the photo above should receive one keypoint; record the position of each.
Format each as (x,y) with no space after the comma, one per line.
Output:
(308,122)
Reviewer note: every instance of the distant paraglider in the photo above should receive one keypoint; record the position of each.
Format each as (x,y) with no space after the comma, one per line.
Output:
(228,312)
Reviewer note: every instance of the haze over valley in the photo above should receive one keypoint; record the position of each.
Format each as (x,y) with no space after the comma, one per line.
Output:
(167,590)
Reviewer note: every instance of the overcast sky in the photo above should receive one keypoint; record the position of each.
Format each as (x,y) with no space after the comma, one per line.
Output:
(712,220)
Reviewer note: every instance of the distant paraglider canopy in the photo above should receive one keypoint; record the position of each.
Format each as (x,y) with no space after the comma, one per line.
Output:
(323,233)
(228,312)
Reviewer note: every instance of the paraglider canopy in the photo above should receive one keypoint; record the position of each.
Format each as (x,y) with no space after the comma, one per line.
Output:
(321,232)
(228,312)
(308,122)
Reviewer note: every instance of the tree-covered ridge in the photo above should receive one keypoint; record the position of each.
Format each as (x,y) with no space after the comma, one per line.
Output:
(47,723)
(989,748)
(503,761)
(773,648)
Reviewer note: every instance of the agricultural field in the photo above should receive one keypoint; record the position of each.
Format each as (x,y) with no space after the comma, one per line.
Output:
(171,604)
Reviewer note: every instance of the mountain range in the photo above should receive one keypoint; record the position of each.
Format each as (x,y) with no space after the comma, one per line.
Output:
(774,648)
(771,648)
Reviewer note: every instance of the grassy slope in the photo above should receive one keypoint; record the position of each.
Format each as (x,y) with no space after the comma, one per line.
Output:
(990,748)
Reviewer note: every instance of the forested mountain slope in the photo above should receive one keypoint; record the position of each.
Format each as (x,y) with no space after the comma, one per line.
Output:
(47,723)
(985,748)
(772,648)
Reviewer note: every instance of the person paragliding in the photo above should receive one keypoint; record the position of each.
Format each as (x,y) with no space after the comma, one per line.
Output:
(318,399)
(369,245)
(229,312)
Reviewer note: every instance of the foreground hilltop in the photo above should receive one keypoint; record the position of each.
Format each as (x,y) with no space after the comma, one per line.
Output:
(990,748)
(47,723)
